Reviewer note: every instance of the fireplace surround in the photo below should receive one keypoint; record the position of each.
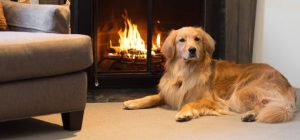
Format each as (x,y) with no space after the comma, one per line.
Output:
(127,34)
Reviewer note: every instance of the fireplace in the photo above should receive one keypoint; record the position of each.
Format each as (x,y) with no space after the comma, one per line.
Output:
(128,34)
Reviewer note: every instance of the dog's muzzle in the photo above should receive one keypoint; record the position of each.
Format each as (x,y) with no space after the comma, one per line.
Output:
(192,52)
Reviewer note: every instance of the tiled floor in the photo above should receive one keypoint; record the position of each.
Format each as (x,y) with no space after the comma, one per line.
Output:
(118,95)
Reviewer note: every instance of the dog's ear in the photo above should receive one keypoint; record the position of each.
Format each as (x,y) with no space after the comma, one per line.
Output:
(168,48)
(209,43)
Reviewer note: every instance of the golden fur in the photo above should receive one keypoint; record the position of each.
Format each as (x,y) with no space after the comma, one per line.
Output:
(197,85)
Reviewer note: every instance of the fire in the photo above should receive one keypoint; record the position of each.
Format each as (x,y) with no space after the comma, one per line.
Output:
(131,44)
(157,45)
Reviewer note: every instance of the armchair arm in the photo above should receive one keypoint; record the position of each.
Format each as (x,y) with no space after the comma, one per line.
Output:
(37,18)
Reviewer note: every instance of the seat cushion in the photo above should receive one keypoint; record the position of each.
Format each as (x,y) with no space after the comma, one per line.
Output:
(25,55)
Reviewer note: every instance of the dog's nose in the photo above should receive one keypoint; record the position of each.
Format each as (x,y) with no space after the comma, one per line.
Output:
(192,50)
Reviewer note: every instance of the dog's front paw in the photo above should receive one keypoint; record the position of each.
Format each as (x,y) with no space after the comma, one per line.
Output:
(131,104)
(186,115)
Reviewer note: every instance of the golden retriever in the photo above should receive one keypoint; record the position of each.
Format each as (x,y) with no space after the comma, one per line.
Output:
(197,85)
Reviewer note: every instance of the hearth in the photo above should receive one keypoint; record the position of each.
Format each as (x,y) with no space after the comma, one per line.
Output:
(128,34)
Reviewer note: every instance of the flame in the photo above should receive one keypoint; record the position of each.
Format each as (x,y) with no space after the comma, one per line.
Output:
(156,46)
(158,40)
(130,39)
(131,43)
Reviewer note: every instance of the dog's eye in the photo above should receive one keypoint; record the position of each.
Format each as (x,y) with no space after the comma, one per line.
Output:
(197,39)
(182,40)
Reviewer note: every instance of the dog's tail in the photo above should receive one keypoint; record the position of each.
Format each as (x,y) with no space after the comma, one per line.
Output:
(277,111)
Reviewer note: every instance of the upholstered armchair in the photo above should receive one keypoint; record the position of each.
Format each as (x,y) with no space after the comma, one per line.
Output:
(42,67)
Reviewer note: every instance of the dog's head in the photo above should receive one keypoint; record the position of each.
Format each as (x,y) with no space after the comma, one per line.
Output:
(189,44)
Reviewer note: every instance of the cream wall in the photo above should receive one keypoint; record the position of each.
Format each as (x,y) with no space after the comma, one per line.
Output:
(277,37)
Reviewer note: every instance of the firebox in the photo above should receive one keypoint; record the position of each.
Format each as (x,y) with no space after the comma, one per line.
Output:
(128,35)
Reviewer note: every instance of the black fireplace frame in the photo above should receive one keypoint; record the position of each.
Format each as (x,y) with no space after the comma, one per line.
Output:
(236,38)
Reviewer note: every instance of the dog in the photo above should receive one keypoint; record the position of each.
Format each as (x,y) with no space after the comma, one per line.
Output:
(197,85)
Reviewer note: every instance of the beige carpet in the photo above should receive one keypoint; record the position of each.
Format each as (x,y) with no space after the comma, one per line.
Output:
(108,121)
